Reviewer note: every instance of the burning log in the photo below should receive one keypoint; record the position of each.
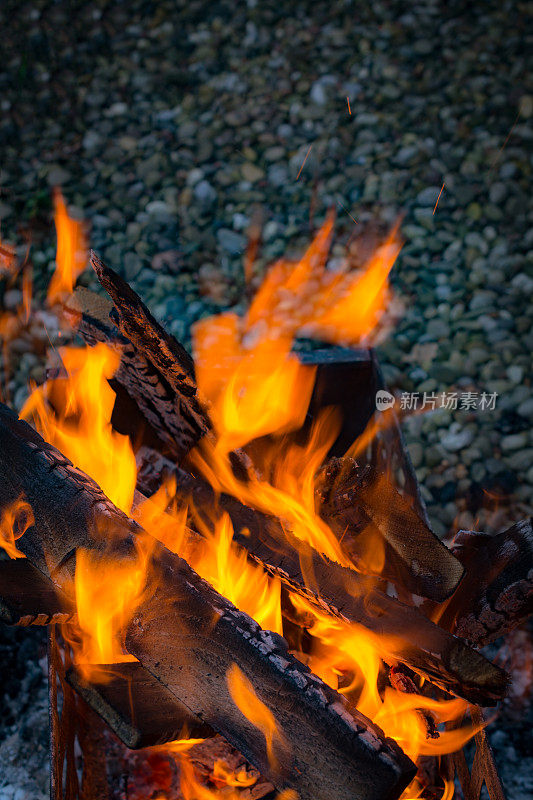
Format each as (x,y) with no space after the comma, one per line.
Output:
(415,558)
(137,708)
(407,635)
(190,637)
(27,597)
(497,593)
(170,361)
(359,500)
(137,377)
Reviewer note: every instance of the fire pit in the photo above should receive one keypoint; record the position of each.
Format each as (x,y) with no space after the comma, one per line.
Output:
(233,556)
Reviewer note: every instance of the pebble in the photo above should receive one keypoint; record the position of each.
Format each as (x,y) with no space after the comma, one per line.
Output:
(231,241)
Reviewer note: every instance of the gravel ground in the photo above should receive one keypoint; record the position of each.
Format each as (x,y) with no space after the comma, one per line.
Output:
(167,124)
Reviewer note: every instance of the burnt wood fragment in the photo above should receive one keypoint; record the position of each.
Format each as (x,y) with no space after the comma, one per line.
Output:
(27,597)
(364,501)
(161,414)
(172,364)
(497,593)
(188,636)
(137,708)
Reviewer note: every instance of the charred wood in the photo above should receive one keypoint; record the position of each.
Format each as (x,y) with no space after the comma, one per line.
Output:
(27,597)
(404,633)
(497,593)
(137,708)
(364,502)
(188,636)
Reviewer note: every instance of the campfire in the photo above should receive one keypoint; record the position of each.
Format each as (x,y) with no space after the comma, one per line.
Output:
(243,593)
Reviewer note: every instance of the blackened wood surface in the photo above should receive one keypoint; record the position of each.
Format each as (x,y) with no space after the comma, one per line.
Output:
(414,557)
(411,638)
(165,415)
(27,597)
(497,593)
(188,636)
(170,361)
(137,707)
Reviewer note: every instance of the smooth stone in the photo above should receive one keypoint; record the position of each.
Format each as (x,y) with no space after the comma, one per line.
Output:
(513,442)
(456,438)
(205,193)
(231,241)
(428,196)
(416,452)
(252,173)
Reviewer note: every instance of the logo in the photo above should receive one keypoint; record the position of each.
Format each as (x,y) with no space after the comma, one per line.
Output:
(384,400)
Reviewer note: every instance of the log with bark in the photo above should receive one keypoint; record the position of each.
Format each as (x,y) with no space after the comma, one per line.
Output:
(189,637)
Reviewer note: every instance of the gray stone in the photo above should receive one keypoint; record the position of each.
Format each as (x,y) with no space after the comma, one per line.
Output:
(205,193)
(428,196)
(456,438)
(231,241)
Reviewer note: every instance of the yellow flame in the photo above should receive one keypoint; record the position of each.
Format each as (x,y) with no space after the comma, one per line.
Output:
(71,255)
(244,696)
(81,428)
(15,520)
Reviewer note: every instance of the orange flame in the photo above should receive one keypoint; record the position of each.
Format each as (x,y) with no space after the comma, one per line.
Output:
(347,648)
(247,701)
(82,427)
(107,593)
(15,520)
(71,255)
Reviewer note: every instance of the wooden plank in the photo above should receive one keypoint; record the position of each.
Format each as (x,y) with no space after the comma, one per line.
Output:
(406,635)
(137,708)
(353,499)
(27,597)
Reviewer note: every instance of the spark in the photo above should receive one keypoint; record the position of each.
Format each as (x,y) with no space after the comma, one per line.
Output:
(438,198)
(345,209)
(349,109)
(505,143)
(305,159)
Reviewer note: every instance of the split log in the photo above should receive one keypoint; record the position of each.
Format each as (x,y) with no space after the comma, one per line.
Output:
(169,359)
(167,417)
(137,708)
(497,593)
(188,636)
(27,597)
(363,501)
(404,633)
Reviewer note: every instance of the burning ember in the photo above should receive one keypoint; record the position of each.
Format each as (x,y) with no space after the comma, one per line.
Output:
(238,502)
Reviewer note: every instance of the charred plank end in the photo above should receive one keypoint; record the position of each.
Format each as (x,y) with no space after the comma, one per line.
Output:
(497,594)
(27,597)
(136,375)
(174,365)
(137,708)
(188,637)
(415,558)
